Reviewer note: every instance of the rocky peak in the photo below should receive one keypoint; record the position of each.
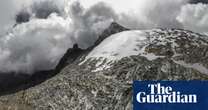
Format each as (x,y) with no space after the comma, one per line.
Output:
(112,29)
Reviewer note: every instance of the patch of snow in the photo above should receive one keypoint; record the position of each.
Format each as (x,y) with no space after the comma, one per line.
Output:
(120,45)
(196,66)
(151,56)
(101,67)
(206,33)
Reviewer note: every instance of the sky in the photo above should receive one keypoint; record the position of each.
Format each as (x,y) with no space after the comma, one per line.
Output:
(148,14)
(56,25)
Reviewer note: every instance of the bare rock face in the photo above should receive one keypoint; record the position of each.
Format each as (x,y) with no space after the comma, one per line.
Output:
(79,87)
(113,29)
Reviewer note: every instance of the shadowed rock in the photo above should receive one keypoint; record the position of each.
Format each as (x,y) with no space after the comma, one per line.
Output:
(22,17)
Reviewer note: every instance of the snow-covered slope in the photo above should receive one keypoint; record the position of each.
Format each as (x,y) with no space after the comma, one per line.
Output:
(178,45)
(121,45)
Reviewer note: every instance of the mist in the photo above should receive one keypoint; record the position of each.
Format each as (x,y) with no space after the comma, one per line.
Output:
(150,14)
(194,17)
(39,44)
(35,34)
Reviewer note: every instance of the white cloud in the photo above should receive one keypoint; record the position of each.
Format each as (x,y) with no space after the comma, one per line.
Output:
(36,45)
(194,17)
(40,43)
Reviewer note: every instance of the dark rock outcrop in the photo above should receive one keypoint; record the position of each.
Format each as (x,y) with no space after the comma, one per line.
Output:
(112,29)
(22,17)
(198,1)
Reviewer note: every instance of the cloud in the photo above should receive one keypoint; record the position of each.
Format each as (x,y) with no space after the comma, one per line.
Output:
(6,15)
(150,14)
(194,17)
(89,23)
(10,8)
(144,14)
(39,43)
(36,45)
(42,9)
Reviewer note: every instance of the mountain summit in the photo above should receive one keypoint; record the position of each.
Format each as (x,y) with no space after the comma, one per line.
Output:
(101,77)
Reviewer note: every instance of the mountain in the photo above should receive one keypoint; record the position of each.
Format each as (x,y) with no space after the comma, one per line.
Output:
(101,77)
(182,47)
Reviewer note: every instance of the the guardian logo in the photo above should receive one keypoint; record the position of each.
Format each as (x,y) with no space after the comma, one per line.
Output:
(170,95)
(164,94)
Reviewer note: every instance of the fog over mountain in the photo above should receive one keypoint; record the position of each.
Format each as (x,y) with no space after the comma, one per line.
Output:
(35,34)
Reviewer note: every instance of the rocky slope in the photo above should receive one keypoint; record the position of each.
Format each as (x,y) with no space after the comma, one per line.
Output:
(100,78)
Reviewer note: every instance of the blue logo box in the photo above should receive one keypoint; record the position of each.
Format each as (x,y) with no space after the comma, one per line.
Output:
(170,95)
